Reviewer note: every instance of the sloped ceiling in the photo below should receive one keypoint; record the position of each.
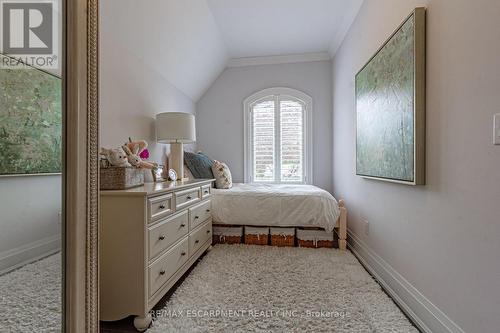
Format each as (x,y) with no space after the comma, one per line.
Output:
(190,42)
(253,28)
(177,38)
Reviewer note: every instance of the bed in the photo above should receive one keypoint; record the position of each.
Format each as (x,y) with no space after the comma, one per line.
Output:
(279,205)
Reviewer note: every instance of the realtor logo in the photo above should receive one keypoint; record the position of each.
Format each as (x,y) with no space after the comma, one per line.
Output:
(29,33)
(27,28)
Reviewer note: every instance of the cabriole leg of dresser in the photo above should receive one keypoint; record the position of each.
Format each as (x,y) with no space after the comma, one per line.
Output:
(141,323)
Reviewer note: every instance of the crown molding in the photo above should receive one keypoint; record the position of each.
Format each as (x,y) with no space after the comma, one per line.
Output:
(278,59)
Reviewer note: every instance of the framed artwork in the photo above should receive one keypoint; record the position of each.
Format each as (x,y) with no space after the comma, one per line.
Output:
(30,121)
(390,107)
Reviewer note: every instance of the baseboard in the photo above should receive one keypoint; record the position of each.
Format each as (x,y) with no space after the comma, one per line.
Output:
(20,256)
(425,315)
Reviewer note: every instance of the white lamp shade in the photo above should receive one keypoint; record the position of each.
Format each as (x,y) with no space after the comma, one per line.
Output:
(175,127)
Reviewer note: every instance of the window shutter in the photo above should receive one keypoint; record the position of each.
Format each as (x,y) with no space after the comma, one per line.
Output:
(263,128)
(292,140)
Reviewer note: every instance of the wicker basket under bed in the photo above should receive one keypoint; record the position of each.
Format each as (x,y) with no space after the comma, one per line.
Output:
(257,235)
(282,236)
(315,238)
(227,235)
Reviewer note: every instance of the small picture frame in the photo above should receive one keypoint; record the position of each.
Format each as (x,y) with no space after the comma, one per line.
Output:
(157,174)
(172,175)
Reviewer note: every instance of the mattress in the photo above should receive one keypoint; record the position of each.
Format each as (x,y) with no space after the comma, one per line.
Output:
(275,205)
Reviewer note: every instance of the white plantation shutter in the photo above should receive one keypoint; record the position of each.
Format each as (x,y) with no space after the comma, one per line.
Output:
(292,141)
(278,137)
(263,141)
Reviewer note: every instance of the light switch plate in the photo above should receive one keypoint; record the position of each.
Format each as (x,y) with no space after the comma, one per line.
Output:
(496,129)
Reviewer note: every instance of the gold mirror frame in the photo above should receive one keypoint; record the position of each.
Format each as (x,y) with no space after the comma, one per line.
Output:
(81,168)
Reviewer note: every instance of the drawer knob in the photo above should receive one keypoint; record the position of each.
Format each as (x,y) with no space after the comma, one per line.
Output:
(161,237)
(162,206)
(196,217)
(183,225)
(196,241)
(206,192)
(189,197)
(208,210)
(162,272)
(183,253)
(208,231)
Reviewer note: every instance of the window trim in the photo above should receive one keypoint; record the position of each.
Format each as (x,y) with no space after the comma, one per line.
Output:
(275,94)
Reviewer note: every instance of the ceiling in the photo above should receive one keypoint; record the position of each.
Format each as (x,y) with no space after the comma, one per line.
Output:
(252,28)
(176,38)
(190,43)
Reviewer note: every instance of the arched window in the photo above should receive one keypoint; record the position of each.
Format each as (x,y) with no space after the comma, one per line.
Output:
(278,137)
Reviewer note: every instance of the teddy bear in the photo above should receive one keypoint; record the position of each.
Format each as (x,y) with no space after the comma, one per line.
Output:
(116,157)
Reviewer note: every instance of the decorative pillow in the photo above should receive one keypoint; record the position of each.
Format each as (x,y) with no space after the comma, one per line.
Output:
(187,172)
(199,164)
(222,175)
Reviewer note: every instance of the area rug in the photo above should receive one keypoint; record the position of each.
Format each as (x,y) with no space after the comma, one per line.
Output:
(245,288)
(30,297)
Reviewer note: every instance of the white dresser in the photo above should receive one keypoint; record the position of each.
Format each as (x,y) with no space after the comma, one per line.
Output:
(149,236)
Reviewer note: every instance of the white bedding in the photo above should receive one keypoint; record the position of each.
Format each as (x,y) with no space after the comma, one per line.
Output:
(275,205)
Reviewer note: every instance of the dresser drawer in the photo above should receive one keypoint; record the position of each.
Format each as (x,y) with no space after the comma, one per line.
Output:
(199,237)
(159,207)
(186,197)
(199,214)
(166,233)
(205,191)
(162,269)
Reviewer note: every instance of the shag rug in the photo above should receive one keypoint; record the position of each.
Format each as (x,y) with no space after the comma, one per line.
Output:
(244,288)
(30,297)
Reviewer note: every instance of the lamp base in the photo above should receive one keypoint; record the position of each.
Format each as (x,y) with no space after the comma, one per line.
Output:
(176,159)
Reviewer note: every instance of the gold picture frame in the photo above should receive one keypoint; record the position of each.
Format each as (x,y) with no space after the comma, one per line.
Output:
(81,166)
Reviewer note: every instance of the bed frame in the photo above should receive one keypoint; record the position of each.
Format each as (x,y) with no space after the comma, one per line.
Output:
(340,226)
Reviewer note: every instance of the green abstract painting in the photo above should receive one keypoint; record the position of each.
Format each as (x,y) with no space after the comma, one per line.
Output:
(385,105)
(30,121)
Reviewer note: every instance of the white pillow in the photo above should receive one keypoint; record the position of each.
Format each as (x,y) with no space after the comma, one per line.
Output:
(222,175)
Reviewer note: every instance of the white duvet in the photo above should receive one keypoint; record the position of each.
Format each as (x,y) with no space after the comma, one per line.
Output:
(275,205)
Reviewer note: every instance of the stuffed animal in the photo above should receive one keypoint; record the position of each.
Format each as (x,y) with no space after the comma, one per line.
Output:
(137,147)
(133,149)
(116,157)
(132,157)
(135,160)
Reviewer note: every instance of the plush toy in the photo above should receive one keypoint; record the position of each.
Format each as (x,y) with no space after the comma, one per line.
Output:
(116,157)
(136,147)
(133,149)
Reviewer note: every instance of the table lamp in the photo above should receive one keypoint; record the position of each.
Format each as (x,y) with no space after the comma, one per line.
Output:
(175,128)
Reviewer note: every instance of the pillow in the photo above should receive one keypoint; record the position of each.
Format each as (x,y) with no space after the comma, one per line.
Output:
(187,172)
(222,175)
(199,164)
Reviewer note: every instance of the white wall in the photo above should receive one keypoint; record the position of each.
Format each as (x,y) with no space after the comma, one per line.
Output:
(220,112)
(132,93)
(178,39)
(443,237)
(29,218)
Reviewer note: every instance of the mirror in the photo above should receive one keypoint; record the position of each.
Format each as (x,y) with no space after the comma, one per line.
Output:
(31,169)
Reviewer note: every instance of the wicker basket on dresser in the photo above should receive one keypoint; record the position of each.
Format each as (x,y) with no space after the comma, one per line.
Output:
(149,237)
